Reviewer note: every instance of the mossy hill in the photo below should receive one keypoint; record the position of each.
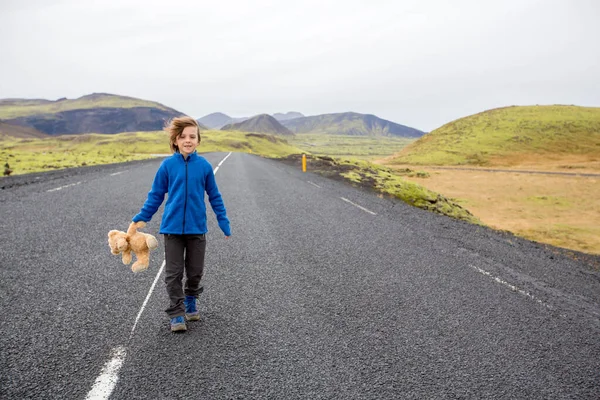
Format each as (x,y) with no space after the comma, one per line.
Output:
(489,137)
(218,120)
(350,123)
(95,113)
(263,123)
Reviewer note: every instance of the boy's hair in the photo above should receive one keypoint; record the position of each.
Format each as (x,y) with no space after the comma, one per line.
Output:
(176,127)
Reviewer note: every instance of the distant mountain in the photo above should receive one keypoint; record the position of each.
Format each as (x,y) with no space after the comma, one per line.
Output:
(350,123)
(218,120)
(263,123)
(15,108)
(215,120)
(94,113)
(287,116)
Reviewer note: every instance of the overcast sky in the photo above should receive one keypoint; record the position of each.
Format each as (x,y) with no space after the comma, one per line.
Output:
(420,63)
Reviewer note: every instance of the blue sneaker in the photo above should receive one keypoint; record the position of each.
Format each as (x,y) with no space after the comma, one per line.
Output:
(191,308)
(178,324)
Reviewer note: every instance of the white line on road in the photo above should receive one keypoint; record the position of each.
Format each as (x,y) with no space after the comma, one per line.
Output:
(146,301)
(314,184)
(62,187)
(222,161)
(105,383)
(117,173)
(356,205)
(107,380)
(511,287)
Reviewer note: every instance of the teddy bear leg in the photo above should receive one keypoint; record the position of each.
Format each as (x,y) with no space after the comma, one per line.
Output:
(141,264)
(151,242)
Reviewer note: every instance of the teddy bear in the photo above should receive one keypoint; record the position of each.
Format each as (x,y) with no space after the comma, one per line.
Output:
(132,240)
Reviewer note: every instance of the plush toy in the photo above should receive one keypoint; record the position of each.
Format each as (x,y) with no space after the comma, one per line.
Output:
(138,242)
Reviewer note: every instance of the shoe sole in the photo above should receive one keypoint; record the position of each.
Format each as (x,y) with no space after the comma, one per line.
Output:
(178,328)
(192,317)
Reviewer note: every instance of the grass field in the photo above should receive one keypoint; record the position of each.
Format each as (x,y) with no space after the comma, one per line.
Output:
(34,155)
(357,147)
(563,211)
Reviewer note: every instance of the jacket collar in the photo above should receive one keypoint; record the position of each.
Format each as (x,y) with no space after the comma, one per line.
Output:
(191,157)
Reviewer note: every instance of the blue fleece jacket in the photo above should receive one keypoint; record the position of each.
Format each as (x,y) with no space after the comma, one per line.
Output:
(185,211)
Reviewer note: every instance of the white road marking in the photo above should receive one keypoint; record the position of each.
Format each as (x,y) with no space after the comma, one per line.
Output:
(222,161)
(62,187)
(117,173)
(147,298)
(356,205)
(106,381)
(314,184)
(109,376)
(511,287)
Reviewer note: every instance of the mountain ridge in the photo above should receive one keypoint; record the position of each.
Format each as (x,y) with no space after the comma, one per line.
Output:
(93,113)
(288,115)
(262,123)
(217,120)
(350,123)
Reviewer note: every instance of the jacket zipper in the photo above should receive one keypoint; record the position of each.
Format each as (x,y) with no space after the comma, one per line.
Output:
(186,194)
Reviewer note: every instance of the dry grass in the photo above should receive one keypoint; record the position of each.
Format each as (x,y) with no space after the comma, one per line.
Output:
(582,163)
(559,210)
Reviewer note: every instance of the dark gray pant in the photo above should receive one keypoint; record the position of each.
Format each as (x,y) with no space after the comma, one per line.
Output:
(183,252)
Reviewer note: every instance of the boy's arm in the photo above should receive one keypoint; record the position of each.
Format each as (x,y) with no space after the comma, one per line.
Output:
(156,195)
(216,202)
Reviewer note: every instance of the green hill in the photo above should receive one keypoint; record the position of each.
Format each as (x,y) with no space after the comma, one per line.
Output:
(263,123)
(494,136)
(350,123)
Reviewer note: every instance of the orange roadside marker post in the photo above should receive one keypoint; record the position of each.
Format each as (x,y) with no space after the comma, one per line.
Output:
(303,162)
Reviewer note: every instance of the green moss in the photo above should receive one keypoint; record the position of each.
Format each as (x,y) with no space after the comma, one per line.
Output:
(357,147)
(352,176)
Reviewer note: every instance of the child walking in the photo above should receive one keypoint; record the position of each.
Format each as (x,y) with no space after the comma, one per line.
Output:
(185,176)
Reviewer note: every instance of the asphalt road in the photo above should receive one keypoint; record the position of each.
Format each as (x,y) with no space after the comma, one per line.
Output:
(323,292)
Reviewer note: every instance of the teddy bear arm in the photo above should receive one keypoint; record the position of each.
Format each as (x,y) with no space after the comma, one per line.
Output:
(126,257)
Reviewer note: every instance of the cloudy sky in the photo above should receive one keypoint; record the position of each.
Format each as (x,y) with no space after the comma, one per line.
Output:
(420,63)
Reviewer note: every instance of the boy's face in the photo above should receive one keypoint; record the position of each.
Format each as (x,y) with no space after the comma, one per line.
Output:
(188,140)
